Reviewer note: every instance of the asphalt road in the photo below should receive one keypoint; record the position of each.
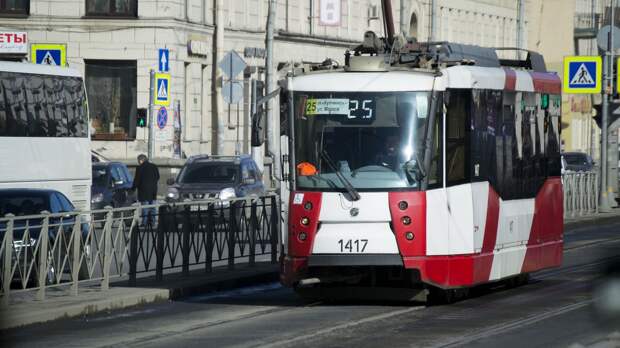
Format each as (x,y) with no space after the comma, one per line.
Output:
(553,310)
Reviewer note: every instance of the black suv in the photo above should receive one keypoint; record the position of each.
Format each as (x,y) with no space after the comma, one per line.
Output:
(222,177)
(111,186)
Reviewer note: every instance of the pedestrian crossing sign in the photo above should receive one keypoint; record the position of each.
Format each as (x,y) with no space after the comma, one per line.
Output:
(49,54)
(582,74)
(162,89)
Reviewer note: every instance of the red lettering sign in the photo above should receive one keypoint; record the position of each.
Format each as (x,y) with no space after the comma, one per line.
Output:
(13,42)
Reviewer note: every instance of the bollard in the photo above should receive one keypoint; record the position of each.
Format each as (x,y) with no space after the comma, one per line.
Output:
(185,241)
(7,276)
(43,256)
(253,227)
(232,224)
(275,223)
(209,230)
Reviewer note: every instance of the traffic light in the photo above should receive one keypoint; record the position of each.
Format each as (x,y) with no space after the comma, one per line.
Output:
(141,118)
(259,117)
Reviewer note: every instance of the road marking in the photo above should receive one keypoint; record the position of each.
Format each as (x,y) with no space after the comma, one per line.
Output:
(308,337)
(515,324)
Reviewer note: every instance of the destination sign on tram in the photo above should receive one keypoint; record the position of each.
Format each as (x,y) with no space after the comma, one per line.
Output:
(353,109)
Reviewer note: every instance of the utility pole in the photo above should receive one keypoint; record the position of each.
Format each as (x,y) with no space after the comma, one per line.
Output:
(604,205)
(520,27)
(151,137)
(404,27)
(272,143)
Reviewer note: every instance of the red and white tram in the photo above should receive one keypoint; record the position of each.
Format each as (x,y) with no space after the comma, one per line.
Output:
(432,165)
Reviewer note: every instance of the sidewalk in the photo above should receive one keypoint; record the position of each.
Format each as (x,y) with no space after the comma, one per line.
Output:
(91,300)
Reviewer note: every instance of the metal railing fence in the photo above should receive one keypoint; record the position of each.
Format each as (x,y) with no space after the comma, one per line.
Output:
(39,252)
(581,192)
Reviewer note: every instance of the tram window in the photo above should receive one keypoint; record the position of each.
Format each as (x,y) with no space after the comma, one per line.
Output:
(436,171)
(487,110)
(457,159)
(552,129)
(511,151)
(531,154)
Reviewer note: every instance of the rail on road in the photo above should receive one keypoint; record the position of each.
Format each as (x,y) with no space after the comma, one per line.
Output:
(76,249)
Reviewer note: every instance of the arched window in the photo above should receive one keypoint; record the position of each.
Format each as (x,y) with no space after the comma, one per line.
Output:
(413,26)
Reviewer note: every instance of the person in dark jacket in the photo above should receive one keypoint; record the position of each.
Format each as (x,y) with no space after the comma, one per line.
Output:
(145,181)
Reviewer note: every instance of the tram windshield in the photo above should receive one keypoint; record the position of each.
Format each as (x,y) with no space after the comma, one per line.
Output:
(370,140)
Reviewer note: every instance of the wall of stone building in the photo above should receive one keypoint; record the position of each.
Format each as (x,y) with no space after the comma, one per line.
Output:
(171,24)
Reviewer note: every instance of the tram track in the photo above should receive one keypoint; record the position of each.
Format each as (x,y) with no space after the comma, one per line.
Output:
(394,313)
(250,317)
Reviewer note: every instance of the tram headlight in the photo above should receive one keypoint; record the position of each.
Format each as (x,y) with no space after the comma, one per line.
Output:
(409,235)
(302,236)
(305,221)
(406,220)
(308,206)
(402,205)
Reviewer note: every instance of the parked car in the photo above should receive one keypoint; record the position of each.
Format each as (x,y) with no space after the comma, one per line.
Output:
(577,162)
(222,177)
(111,186)
(26,232)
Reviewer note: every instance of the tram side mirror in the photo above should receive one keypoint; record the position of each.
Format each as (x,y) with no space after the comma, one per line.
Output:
(414,171)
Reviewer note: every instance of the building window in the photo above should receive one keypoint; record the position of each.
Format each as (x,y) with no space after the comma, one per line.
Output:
(111,89)
(14,7)
(114,8)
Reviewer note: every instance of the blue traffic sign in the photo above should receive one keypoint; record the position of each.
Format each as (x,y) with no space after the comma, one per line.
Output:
(49,54)
(162,89)
(162,117)
(164,60)
(582,74)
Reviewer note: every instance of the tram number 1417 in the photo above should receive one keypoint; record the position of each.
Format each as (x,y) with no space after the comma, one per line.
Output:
(352,245)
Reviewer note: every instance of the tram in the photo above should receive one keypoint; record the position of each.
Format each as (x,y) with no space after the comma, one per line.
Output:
(430,166)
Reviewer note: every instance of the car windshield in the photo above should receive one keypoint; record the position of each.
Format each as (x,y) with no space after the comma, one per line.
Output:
(368,136)
(207,173)
(100,177)
(23,204)
(576,159)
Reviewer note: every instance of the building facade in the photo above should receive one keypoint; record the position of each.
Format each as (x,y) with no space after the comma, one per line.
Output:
(115,43)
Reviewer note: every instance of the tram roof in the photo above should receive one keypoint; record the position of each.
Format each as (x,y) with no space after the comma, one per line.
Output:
(458,76)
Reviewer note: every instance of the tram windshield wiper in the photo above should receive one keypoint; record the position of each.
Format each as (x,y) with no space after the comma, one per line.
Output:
(346,183)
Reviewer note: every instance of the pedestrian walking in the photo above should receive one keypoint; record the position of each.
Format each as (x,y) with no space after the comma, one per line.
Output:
(145,181)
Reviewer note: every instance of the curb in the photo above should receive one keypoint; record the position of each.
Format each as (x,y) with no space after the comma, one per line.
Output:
(588,220)
(16,318)
(120,298)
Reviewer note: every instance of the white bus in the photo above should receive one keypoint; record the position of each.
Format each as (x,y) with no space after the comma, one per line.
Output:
(44,134)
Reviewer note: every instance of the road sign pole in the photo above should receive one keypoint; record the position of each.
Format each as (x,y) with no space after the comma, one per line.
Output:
(151,135)
(603,199)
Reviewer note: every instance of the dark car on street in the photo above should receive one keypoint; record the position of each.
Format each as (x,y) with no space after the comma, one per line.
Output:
(577,162)
(26,232)
(222,177)
(111,186)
